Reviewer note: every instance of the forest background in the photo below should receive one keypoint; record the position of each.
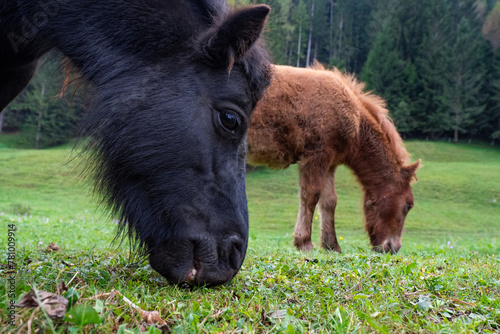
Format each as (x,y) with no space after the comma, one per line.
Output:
(436,62)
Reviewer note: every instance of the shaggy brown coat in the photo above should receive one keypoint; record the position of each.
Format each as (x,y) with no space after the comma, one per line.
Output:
(321,119)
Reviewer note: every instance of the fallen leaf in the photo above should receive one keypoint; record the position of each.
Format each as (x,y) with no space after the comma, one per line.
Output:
(152,317)
(53,304)
(52,247)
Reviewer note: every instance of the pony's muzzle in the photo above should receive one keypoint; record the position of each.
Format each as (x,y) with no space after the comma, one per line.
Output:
(205,260)
(390,245)
(214,266)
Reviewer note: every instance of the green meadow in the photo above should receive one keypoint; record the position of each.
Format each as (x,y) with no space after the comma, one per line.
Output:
(446,278)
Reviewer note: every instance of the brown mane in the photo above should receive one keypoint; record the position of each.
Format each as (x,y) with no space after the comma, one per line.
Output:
(377,108)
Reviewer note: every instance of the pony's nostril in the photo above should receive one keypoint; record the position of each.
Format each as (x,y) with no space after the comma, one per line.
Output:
(234,249)
(392,246)
(388,247)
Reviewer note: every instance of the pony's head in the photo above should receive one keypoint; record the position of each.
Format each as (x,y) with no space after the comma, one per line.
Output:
(169,141)
(386,208)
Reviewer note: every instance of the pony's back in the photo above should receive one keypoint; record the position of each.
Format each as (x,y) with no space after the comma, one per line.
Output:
(306,110)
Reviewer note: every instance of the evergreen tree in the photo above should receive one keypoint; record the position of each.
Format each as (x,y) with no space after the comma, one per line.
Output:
(45,115)
(301,21)
(388,74)
(493,119)
(431,63)
(279,37)
(436,62)
(489,120)
(465,74)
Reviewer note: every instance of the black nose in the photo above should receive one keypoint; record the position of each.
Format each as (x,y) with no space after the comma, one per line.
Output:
(206,261)
(222,263)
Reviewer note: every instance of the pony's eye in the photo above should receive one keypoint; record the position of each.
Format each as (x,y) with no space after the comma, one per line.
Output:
(229,120)
(409,206)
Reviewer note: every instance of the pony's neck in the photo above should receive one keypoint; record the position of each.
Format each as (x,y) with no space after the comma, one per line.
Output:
(373,161)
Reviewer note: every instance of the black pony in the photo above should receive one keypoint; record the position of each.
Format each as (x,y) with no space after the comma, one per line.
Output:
(172,85)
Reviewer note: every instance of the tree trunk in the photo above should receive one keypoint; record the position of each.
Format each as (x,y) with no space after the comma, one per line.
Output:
(354,68)
(315,52)
(308,58)
(332,3)
(40,115)
(341,26)
(285,53)
(300,42)
(457,118)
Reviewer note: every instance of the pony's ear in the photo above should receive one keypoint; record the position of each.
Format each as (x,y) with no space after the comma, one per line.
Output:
(408,172)
(226,43)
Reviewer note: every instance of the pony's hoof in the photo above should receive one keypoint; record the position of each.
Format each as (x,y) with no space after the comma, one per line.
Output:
(335,247)
(303,246)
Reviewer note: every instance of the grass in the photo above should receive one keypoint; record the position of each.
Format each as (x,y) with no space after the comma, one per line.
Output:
(445,279)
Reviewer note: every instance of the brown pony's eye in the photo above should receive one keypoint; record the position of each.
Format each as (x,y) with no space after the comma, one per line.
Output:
(409,206)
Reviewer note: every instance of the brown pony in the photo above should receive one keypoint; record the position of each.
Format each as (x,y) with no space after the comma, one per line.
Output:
(321,119)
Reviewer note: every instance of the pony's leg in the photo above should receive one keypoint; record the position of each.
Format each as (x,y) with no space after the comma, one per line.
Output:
(13,81)
(310,191)
(327,205)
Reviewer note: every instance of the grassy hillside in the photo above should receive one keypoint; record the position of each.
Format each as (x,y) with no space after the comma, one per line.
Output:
(446,277)
(457,196)
(45,194)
